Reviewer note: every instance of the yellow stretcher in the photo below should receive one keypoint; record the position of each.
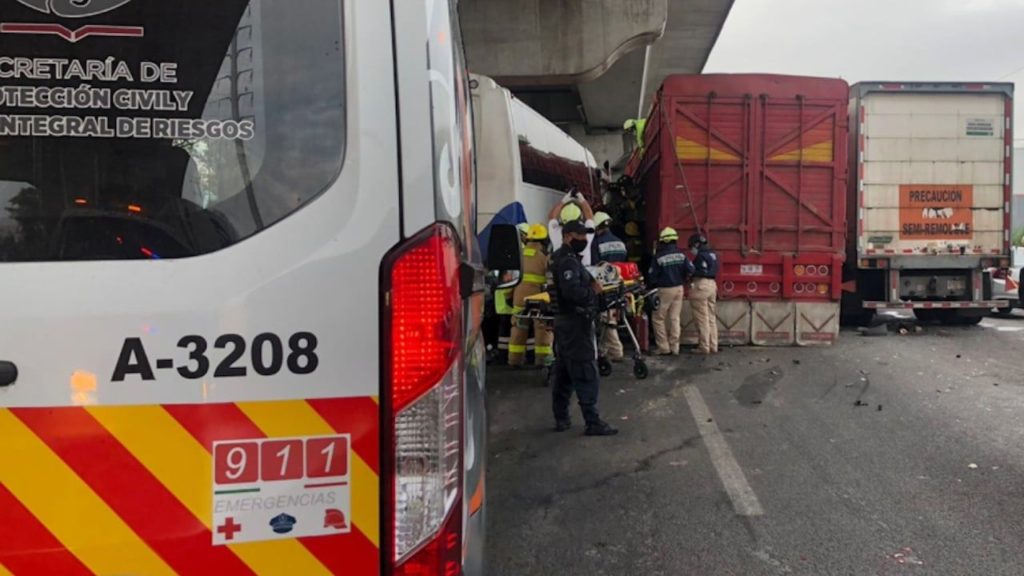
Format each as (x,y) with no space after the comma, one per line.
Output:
(627,297)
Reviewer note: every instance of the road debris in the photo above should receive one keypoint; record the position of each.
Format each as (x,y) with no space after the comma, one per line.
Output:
(906,556)
(972,466)
(878,330)
(860,403)
(879,407)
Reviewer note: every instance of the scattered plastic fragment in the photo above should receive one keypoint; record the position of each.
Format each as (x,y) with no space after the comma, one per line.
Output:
(907,556)
(879,407)
(972,466)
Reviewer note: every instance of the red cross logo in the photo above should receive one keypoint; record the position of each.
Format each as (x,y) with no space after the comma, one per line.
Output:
(229,528)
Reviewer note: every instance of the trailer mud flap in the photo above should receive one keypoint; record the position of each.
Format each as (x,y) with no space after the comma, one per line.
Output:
(734,322)
(817,324)
(773,323)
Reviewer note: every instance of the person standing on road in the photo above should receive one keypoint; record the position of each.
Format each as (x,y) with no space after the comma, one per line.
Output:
(607,247)
(575,353)
(704,293)
(535,267)
(668,274)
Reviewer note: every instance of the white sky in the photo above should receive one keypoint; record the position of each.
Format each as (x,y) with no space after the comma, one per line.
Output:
(961,40)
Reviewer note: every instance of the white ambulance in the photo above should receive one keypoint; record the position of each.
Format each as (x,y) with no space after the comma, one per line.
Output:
(240,289)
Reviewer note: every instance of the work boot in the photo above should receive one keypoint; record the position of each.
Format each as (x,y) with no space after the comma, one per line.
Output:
(600,428)
(562,425)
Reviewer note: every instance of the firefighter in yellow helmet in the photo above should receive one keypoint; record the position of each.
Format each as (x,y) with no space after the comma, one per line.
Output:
(535,266)
(668,274)
(502,297)
(634,244)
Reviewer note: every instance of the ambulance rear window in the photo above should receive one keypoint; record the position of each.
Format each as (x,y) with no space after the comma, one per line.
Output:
(133,129)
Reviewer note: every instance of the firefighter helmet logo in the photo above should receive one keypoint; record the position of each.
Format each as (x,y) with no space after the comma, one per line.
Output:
(74,8)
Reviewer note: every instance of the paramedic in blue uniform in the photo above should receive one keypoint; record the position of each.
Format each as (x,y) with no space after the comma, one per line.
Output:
(703,293)
(668,274)
(607,247)
(575,350)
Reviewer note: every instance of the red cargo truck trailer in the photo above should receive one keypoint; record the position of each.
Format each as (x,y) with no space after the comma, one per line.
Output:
(758,163)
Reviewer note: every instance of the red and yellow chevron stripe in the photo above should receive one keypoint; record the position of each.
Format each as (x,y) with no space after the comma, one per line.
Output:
(127,489)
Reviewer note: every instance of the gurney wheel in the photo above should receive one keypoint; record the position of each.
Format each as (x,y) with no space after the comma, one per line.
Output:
(604,367)
(640,370)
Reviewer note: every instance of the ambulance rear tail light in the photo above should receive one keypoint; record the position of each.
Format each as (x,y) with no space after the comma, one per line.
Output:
(423,406)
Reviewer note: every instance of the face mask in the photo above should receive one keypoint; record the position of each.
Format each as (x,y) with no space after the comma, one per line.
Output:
(578,245)
(694,250)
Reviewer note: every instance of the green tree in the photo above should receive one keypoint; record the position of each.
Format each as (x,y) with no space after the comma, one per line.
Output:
(1018,237)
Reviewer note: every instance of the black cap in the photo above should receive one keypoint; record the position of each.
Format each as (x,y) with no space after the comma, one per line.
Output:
(575,227)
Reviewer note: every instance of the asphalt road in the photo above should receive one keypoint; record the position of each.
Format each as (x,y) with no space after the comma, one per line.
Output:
(882,455)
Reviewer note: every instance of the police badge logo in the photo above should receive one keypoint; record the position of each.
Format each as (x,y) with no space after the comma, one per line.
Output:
(74,8)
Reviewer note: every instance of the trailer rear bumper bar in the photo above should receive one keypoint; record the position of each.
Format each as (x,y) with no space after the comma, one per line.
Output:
(986,304)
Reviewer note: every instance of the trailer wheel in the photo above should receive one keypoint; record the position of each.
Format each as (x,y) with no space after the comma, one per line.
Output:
(967,317)
(927,315)
(640,370)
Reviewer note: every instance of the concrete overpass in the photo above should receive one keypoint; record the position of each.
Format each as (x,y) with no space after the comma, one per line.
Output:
(588,65)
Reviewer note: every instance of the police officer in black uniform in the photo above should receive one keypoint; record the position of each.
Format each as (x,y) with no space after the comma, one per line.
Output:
(575,346)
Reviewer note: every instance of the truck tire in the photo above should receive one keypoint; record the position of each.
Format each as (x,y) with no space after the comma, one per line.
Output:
(967,317)
(927,315)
